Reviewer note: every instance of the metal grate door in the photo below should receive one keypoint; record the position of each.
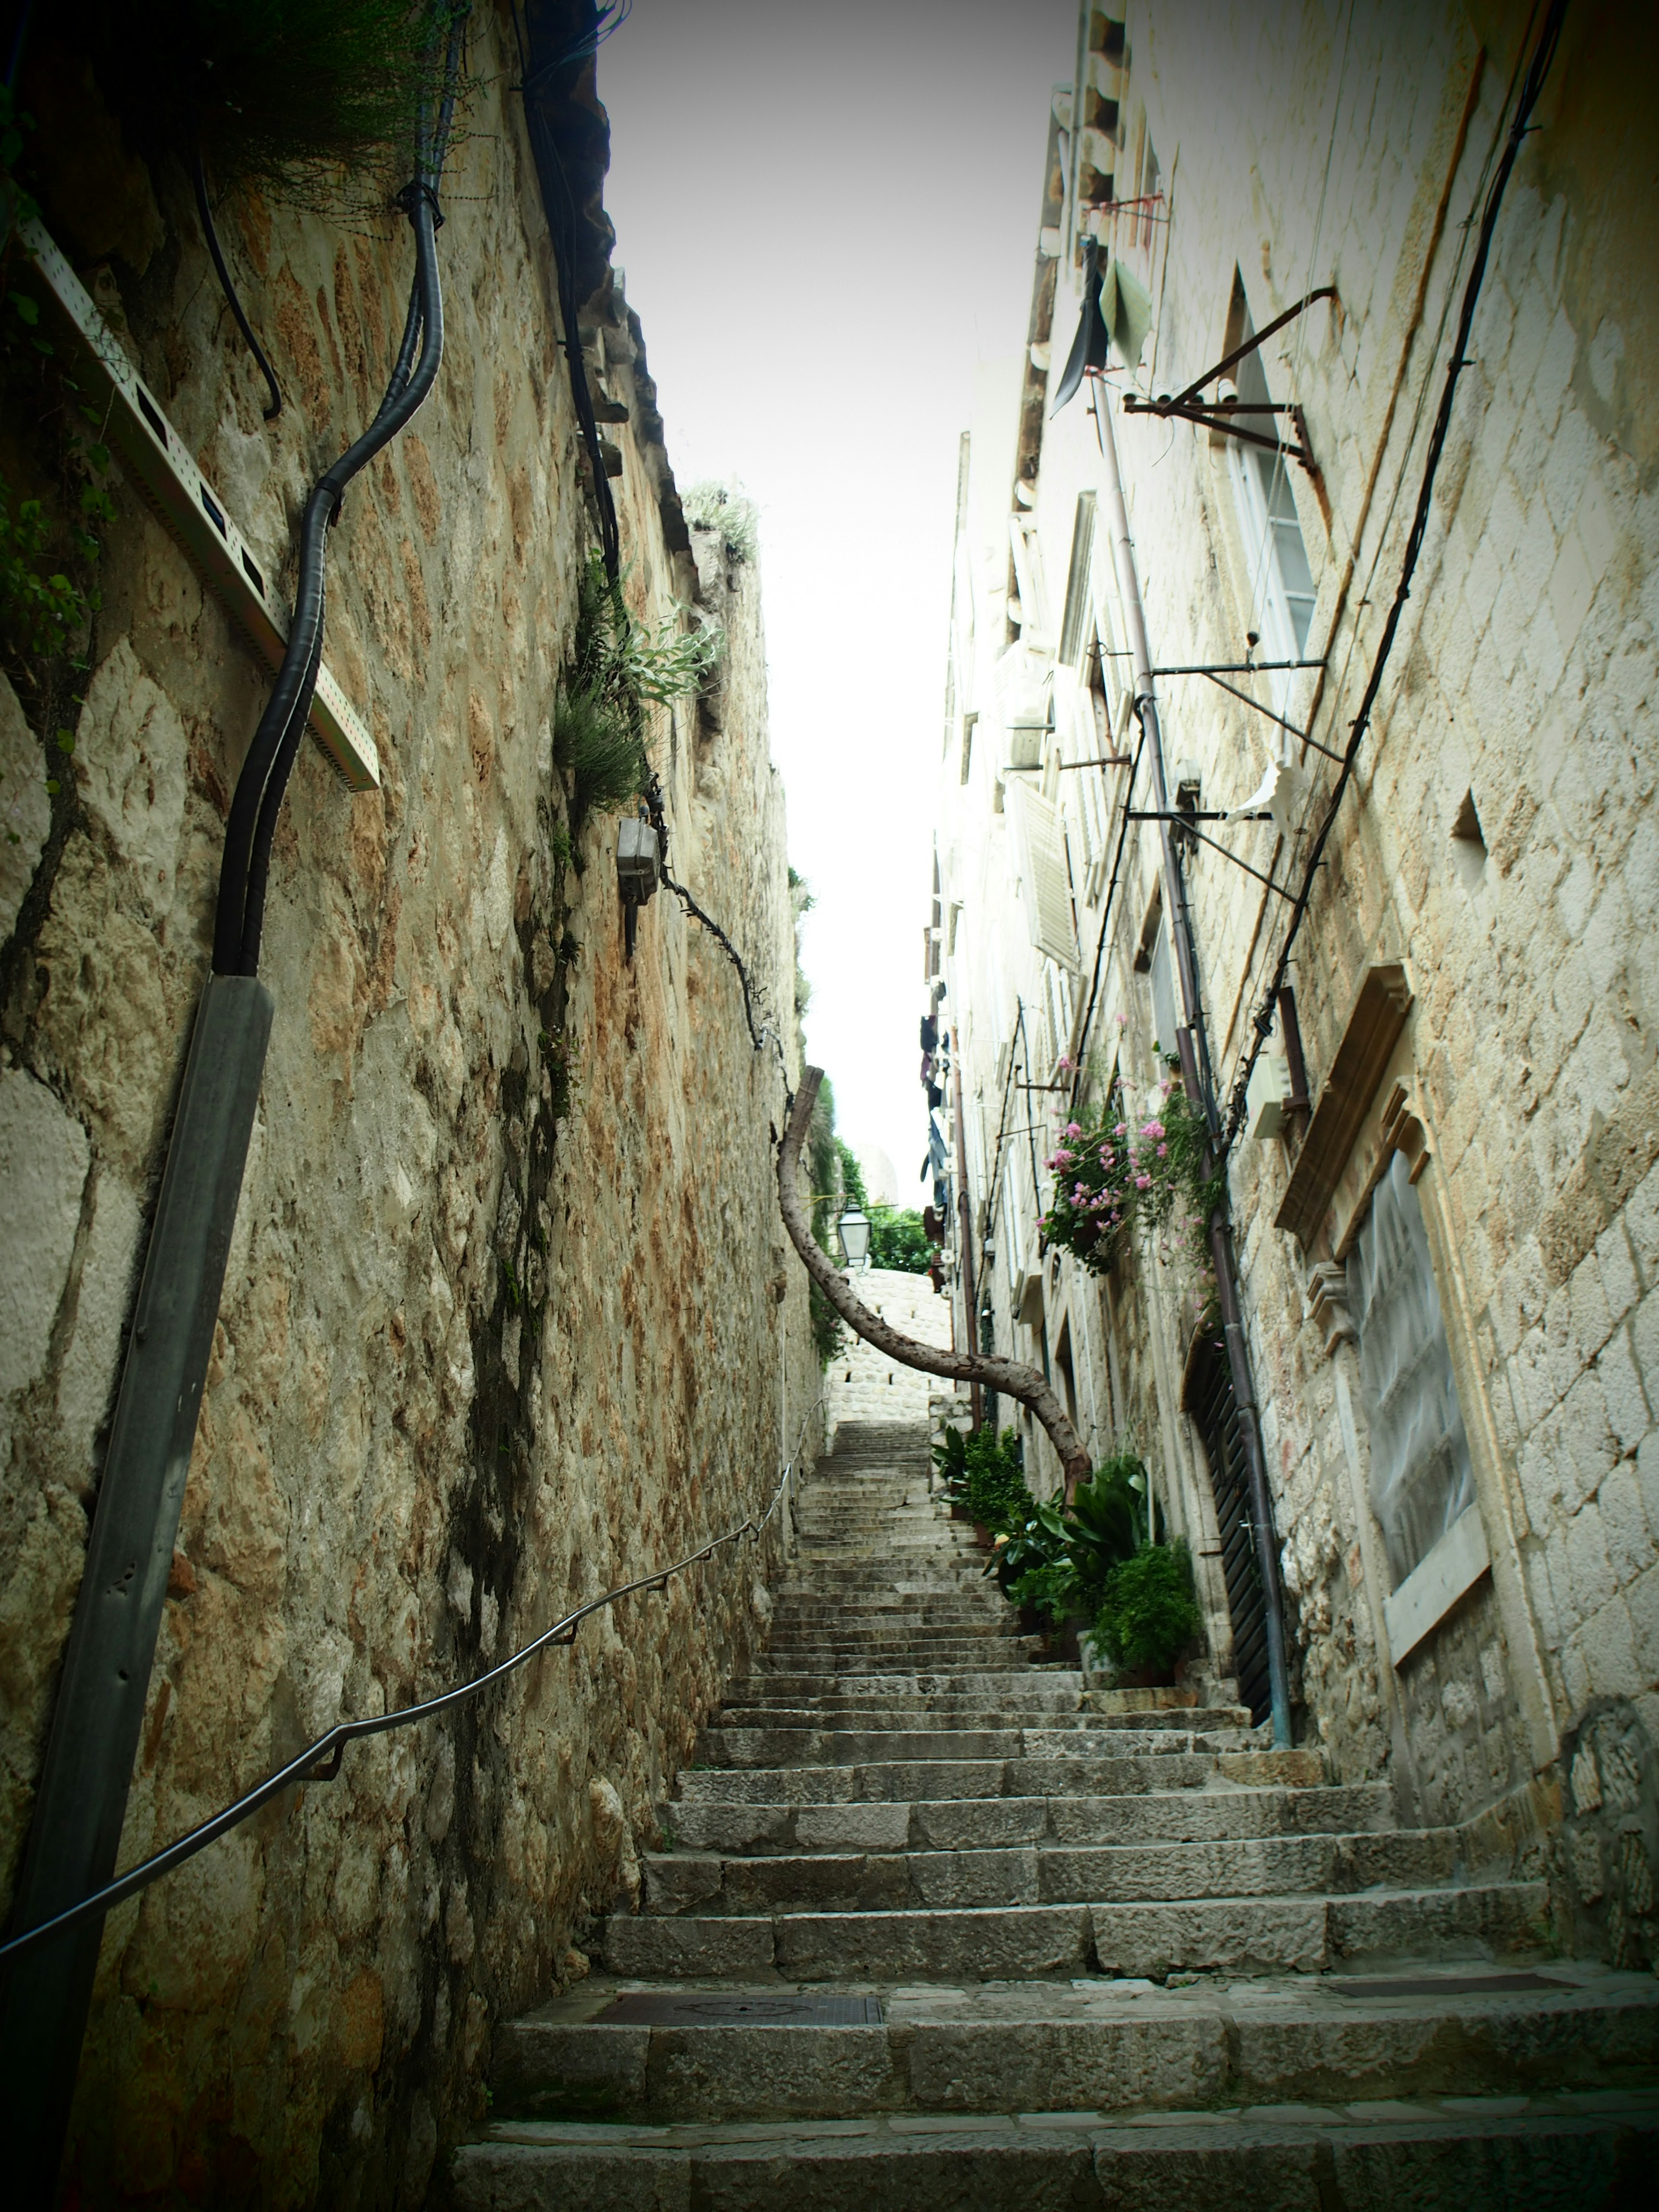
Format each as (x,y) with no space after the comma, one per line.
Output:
(1216,1412)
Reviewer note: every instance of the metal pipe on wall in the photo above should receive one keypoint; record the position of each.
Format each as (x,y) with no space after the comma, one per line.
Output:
(1194,1043)
(965,1218)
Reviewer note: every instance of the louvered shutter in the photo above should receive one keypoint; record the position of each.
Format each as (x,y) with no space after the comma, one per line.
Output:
(1040,852)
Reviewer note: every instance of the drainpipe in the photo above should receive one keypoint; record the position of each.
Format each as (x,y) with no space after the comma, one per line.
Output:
(81,1803)
(1192,1043)
(965,1219)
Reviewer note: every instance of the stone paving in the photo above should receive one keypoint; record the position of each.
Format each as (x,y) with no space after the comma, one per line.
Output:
(937,1925)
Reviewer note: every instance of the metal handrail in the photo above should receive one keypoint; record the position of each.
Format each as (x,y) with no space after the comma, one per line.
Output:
(320,1761)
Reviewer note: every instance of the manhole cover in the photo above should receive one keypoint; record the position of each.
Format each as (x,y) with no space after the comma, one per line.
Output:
(667,2009)
(1440,1985)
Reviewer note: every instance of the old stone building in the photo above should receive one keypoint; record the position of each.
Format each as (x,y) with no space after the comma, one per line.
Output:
(505,1320)
(1440,1140)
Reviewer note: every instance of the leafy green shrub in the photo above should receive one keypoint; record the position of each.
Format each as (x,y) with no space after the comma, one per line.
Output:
(1050,1588)
(993,1481)
(898,1240)
(41,611)
(1149,1611)
(304,97)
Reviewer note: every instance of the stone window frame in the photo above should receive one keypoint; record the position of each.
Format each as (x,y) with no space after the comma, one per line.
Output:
(1384,1110)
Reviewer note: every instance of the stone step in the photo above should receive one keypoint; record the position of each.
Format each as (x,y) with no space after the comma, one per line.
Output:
(1180,1816)
(842,1747)
(1232,1936)
(1024,1707)
(1529,2151)
(1583,2150)
(1061,1690)
(1086,2045)
(948,1648)
(907,1629)
(881,1781)
(704,1883)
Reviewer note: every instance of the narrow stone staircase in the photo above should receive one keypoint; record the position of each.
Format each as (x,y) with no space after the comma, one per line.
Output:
(934,1926)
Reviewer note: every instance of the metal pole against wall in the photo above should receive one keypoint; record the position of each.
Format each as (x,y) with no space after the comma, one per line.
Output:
(1193,1044)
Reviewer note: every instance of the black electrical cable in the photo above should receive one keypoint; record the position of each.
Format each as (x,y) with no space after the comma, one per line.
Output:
(256,803)
(1532,85)
(198,178)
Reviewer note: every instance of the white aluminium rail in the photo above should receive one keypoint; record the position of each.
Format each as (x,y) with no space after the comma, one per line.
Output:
(187,506)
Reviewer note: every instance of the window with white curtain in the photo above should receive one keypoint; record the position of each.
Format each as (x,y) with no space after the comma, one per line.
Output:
(1282,592)
(1421,1476)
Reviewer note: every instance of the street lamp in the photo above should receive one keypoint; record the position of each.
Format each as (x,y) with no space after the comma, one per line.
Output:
(854,1227)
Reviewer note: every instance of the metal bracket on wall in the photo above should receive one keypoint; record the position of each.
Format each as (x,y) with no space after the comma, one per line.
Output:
(1188,822)
(188,508)
(1219,671)
(1222,414)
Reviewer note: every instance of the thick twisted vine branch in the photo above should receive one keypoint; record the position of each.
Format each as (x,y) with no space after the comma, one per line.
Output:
(1010,1376)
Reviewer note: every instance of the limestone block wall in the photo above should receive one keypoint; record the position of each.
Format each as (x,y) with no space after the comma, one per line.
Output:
(1294,150)
(863,1384)
(1523,681)
(506,1320)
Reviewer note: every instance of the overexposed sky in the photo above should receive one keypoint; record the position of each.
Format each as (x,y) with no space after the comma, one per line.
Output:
(827,211)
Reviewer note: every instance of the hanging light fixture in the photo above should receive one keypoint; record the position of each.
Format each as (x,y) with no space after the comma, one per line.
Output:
(638,864)
(854,1227)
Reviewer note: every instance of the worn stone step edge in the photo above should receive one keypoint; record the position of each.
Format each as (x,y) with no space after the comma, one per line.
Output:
(1156,2051)
(710,1883)
(993,1823)
(878,1780)
(1588,2155)
(1252,1935)
(835,1746)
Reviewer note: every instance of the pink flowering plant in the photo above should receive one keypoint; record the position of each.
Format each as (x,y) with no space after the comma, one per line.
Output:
(1132,1170)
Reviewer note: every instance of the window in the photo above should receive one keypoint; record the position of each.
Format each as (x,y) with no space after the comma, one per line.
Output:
(1144,225)
(1421,1478)
(1163,996)
(1075,627)
(1044,871)
(1281,582)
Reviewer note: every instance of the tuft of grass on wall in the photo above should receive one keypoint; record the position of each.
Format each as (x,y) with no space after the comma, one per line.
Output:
(711,505)
(604,756)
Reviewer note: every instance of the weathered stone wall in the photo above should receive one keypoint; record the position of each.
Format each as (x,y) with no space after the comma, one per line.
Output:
(507,1319)
(1297,148)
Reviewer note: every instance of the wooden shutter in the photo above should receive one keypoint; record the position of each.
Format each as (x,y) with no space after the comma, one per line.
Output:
(1044,872)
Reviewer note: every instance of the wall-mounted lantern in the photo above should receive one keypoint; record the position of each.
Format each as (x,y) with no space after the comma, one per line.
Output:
(854,1227)
(639,866)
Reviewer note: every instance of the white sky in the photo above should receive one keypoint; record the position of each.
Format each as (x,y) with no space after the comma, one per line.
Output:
(827,211)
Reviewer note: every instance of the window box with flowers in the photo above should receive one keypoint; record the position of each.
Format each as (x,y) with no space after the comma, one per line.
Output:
(1126,1173)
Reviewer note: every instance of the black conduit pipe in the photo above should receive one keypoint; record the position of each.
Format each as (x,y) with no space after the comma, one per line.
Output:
(80,1806)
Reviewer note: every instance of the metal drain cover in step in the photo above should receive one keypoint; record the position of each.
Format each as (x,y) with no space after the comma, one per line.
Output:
(1440,1985)
(672,2008)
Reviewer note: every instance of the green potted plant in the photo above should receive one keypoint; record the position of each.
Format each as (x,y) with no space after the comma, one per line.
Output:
(1148,1613)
